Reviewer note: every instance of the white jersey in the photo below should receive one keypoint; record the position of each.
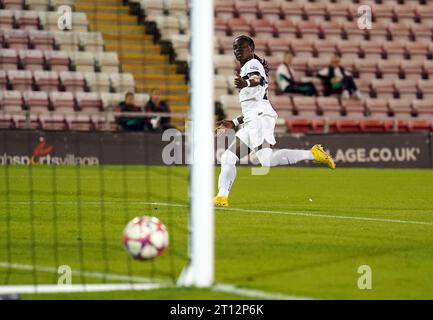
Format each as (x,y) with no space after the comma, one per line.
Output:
(254,100)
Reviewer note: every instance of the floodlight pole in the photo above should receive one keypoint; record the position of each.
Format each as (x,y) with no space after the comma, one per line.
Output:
(200,270)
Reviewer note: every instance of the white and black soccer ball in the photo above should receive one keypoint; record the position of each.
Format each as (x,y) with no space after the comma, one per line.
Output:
(145,238)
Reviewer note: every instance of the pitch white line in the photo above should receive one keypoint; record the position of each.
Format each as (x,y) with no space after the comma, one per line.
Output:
(52,288)
(301,214)
(146,284)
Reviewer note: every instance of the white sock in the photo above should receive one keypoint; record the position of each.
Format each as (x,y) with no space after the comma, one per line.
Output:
(228,173)
(290,156)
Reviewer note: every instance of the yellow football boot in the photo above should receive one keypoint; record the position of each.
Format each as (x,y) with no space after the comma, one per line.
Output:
(221,201)
(321,156)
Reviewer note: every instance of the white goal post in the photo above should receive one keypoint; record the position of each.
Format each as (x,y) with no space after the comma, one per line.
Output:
(200,270)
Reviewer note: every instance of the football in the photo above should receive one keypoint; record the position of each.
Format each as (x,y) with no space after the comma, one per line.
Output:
(145,238)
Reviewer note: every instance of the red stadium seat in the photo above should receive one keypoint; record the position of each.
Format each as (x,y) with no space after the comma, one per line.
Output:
(269,10)
(395,49)
(423,108)
(329,106)
(375,125)
(238,26)
(419,125)
(292,10)
(400,108)
(285,28)
(389,69)
(225,9)
(417,50)
(262,28)
(331,30)
(383,88)
(305,106)
(246,9)
(347,125)
(425,87)
(302,47)
(353,108)
(348,48)
(406,88)
(412,69)
(308,29)
(377,108)
(371,49)
(325,49)
(315,10)
(299,125)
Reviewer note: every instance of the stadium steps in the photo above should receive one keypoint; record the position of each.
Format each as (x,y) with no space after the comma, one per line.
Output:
(137,52)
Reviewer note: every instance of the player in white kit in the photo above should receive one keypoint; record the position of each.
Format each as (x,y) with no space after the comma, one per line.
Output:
(258,120)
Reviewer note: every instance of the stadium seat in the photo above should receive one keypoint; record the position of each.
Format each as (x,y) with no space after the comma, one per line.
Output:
(104,122)
(224,64)
(331,30)
(67,41)
(302,47)
(389,69)
(347,125)
(400,31)
(12,4)
(366,68)
(419,125)
(292,10)
(57,60)
(32,59)
(50,21)
(41,40)
(27,20)
(400,108)
(308,29)
(16,39)
(316,64)
(283,105)
(377,108)
(97,82)
(383,88)
(405,12)
(417,50)
(180,44)
(394,49)
(107,61)
(352,32)
(6,121)
(11,101)
(375,125)
(421,32)
(380,31)
(221,28)
(122,82)
(412,69)
(167,25)
(46,80)
(176,7)
(79,122)
(91,41)
(38,5)
(382,12)
(231,105)
(315,11)
(425,87)
(3,80)
(111,100)
(353,108)
(425,12)
(141,99)
(262,28)
(325,49)
(220,84)
(88,102)
(52,121)
(278,46)
(269,10)
(36,101)
(371,49)
(348,48)
(423,108)
(247,9)
(238,26)
(305,106)
(225,9)
(72,81)
(22,121)
(6,19)
(428,68)
(329,106)
(82,61)
(285,28)
(20,79)
(299,125)
(406,88)
(62,102)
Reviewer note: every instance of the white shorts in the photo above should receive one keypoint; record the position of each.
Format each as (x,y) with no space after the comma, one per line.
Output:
(257,131)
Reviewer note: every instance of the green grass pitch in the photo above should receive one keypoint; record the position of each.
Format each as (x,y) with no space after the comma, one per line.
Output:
(280,242)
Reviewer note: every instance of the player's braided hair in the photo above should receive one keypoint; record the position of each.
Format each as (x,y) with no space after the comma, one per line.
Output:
(251,43)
